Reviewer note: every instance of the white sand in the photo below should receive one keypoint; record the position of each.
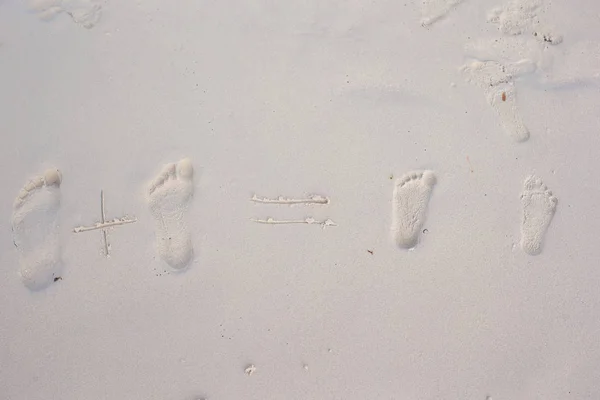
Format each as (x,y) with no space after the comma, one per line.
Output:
(303,100)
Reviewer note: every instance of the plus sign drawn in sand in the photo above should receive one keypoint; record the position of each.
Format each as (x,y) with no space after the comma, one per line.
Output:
(169,196)
(539,206)
(35,227)
(104,225)
(308,200)
(409,206)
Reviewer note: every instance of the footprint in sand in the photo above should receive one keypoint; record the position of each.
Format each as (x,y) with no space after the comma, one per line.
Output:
(86,13)
(539,206)
(497,82)
(169,196)
(36,230)
(411,197)
(518,17)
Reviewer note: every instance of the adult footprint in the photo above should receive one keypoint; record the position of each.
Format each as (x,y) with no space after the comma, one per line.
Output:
(36,230)
(169,196)
(539,206)
(411,197)
(497,82)
(86,13)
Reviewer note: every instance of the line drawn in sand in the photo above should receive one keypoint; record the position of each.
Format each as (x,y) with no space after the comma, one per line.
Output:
(104,224)
(308,221)
(311,199)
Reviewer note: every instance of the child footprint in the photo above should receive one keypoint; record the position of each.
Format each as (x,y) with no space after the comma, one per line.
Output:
(36,230)
(168,197)
(411,197)
(539,206)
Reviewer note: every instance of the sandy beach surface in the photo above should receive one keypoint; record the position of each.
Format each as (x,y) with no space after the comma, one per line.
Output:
(299,200)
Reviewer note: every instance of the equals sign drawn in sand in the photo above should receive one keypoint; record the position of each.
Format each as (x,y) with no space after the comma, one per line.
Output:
(311,199)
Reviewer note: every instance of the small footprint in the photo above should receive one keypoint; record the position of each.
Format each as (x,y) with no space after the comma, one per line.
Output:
(411,197)
(36,230)
(168,197)
(539,206)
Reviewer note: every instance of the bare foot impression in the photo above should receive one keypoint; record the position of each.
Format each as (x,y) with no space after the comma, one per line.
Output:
(539,206)
(496,80)
(434,10)
(36,230)
(525,16)
(86,13)
(169,196)
(411,197)
(516,17)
